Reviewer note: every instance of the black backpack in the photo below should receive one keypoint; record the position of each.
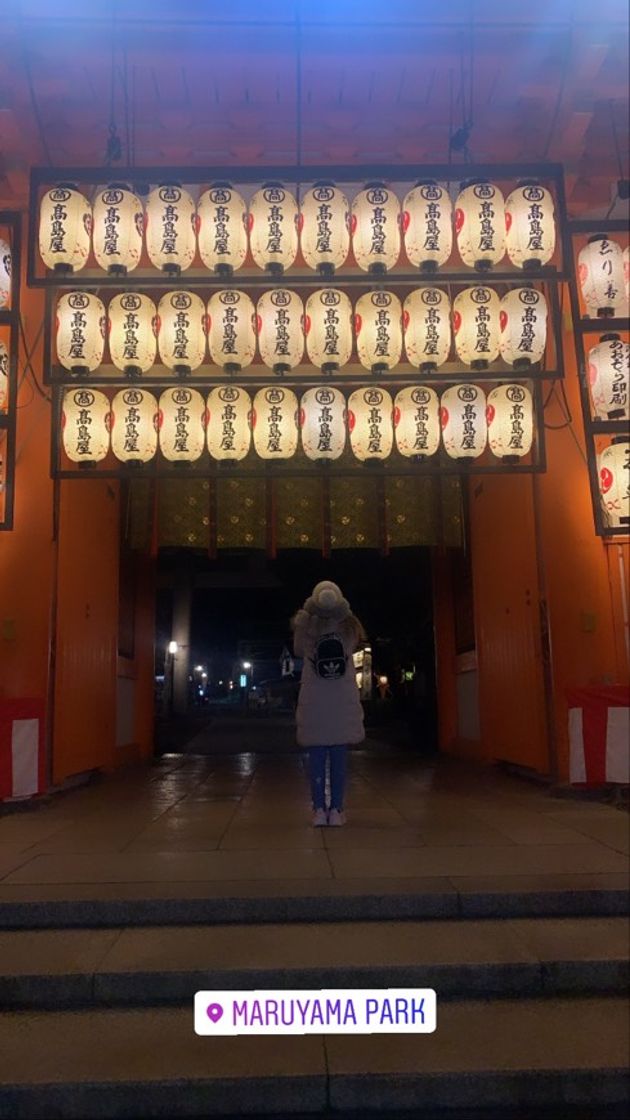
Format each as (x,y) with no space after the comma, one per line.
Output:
(330,658)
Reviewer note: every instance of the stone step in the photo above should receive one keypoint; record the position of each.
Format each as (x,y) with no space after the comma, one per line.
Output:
(42,905)
(564,1055)
(465,959)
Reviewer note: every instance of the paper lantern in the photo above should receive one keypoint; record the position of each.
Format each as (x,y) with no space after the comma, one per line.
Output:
(275,423)
(134,424)
(370,415)
(463,420)
(229,423)
(427,226)
(626,273)
(325,228)
(375,225)
(170,228)
(181,331)
(5,273)
(476,325)
(81,328)
(323,423)
(530,226)
(65,227)
(417,421)
(132,333)
(614,483)
(378,327)
(273,228)
(600,271)
(523,319)
(510,419)
(85,424)
(280,325)
(231,330)
(609,375)
(480,225)
(4,376)
(118,229)
(427,327)
(222,229)
(328,329)
(181,424)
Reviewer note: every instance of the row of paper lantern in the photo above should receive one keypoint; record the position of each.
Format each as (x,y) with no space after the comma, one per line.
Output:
(184,423)
(483,325)
(273,226)
(613,464)
(604,277)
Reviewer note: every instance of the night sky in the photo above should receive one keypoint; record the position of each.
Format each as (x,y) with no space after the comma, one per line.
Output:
(391,595)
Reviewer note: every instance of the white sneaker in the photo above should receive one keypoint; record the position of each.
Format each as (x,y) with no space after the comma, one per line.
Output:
(319,818)
(336,818)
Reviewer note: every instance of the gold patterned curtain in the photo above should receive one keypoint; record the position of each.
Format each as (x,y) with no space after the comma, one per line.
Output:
(368,509)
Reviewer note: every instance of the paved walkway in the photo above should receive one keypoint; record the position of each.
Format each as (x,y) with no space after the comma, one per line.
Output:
(217,823)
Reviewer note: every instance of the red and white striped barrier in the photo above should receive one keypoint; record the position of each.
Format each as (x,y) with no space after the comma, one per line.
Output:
(599,735)
(22,756)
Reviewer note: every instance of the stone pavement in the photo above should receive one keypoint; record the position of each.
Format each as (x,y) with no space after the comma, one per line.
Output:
(216,825)
(120,899)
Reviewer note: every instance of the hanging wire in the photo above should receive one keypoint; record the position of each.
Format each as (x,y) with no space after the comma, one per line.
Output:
(298,95)
(113,149)
(31,89)
(622,181)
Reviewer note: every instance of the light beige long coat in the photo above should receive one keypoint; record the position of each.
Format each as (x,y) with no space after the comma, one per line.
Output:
(329,712)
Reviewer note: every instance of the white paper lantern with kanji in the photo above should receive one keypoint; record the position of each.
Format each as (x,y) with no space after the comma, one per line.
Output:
(273,228)
(427,224)
(480,225)
(229,423)
(463,420)
(378,327)
(132,333)
(81,327)
(231,330)
(4,376)
(370,423)
(375,225)
(476,326)
(280,324)
(523,318)
(328,329)
(118,229)
(614,483)
(427,328)
(417,421)
(5,273)
(134,425)
(626,273)
(324,228)
(609,377)
(510,419)
(170,228)
(600,272)
(65,228)
(182,331)
(275,423)
(182,424)
(85,425)
(222,229)
(323,423)
(530,226)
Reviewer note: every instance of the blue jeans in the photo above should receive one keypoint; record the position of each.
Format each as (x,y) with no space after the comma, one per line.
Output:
(317,763)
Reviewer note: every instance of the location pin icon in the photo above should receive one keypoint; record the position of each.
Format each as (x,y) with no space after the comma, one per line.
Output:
(214,1012)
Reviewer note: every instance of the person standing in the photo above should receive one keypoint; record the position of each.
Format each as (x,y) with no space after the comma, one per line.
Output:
(329,715)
